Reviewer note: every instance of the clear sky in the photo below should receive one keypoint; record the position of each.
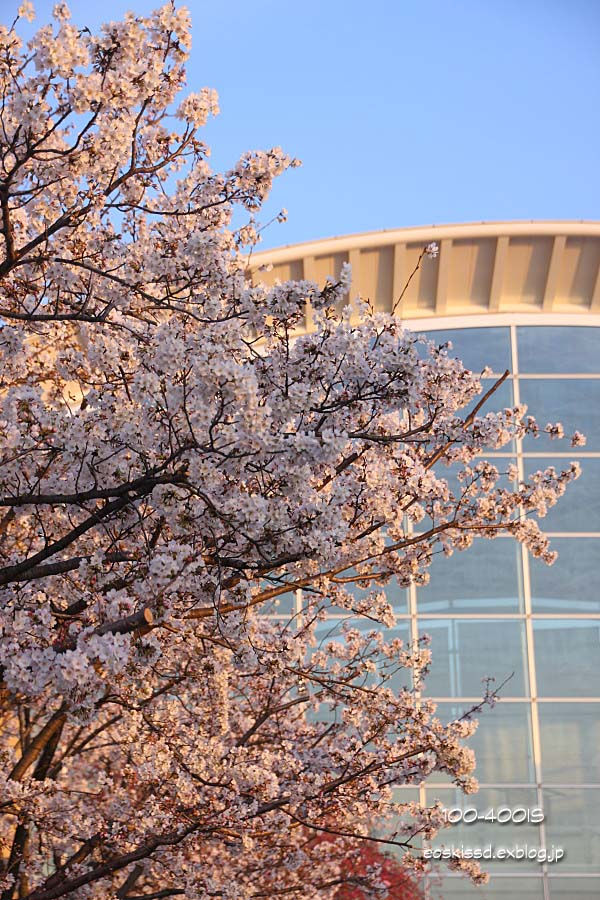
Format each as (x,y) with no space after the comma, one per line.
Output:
(403,112)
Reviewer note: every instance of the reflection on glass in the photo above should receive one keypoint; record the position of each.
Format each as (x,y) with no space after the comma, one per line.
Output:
(502,742)
(500,399)
(397,596)
(574,888)
(573,402)
(572,822)
(572,583)
(400,816)
(496,889)
(574,511)
(553,348)
(449,474)
(282,606)
(484,578)
(567,657)
(570,736)
(404,795)
(488,578)
(477,347)
(466,652)
(487,802)
(388,671)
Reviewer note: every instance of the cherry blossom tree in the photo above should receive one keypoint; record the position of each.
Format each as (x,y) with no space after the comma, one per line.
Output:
(400,884)
(178,462)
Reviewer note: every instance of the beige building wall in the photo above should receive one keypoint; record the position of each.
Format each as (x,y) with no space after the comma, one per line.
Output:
(482,268)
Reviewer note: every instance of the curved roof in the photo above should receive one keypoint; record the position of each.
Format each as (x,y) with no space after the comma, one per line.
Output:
(485,267)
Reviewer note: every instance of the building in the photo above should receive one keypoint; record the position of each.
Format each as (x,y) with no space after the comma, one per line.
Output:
(523,296)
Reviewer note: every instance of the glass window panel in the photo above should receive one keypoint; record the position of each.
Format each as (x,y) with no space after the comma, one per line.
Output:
(405,795)
(553,348)
(570,737)
(502,742)
(572,583)
(496,889)
(573,402)
(477,347)
(449,474)
(394,677)
(465,652)
(284,605)
(567,657)
(324,713)
(388,672)
(501,398)
(578,509)
(331,629)
(572,821)
(574,888)
(400,816)
(482,832)
(396,595)
(484,578)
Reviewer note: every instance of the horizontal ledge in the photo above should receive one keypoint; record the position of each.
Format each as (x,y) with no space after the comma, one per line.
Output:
(426,233)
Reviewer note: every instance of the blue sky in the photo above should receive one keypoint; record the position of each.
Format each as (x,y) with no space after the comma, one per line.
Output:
(403,113)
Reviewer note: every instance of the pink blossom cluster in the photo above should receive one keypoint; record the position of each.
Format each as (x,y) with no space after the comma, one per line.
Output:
(178,461)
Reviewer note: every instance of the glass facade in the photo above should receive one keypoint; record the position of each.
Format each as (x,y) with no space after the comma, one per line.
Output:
(492,611)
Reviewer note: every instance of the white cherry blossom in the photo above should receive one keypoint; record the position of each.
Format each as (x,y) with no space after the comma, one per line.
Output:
(179,460)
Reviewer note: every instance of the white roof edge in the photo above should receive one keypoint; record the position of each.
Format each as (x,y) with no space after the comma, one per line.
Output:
(470,230)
